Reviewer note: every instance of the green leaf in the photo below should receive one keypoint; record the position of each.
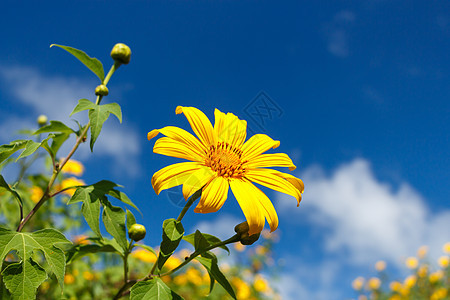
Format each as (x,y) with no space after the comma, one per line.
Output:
(4,186)
(209,261)
(131,220)
(106,187)
(91,213)
(103,246)
(148,248)
(173,232)
(25,244)
(196,239)
(58,140)
(31,147)
(114,220)
(154,289)
(9,149)
(98,115)
(91,62)
(22,279)
(54,126)
(83,104)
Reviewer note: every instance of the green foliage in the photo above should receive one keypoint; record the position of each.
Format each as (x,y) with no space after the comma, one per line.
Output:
(9,149)
(201,241)
(173,232)
(92,63)
(98,115)
(152,290)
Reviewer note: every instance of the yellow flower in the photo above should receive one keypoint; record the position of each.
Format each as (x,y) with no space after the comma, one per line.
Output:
(410,281)
(218,160)
(36,194)
(242,289)
(71,182)
(144,255)
(69,279)
(446,248)
(194,276)
(239,247)
(358,283)
(374,283)
(395,297)
(436,276)
(260,284)
(81,239)
(443,261)
(422,252)
(172,263)
(411,262)
(180,279)
(380,265)
(422,271)
(395,286)
(440,293)
(73,167)
(88,276)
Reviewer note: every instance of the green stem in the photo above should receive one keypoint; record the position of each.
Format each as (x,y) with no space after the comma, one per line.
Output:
(191,200)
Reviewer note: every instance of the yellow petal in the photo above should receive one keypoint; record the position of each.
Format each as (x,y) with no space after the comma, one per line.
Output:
(266,207)
(229,128)
(182,136)
(267,178)
(197,180)
(271,160)
(296,182)
(257,144)
(171,147)
(200,124)
(249,204)
(173,175)
(213,196)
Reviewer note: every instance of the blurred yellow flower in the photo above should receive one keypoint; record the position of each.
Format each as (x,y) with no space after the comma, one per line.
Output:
(411,262)
(395,286)
(239,247)
(69,279)
(242,289)
(374,283)
(436,276)
(36,193)
(410,281)
(260,284)
(261,250)
(81,239)
(422,252)
(144,255)
(380,265)
(440,293)
(73,167)
(180,279)
(218,160)
(69,182)
(45,286)
(172,262)
(443,261)
(446,248)
(194,276)
(88,276)
(395,297)
(358,283)
(422,271)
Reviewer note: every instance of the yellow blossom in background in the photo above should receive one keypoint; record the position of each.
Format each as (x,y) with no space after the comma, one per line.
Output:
(242,289)
(261,250)
(239,247)
(73,167)
(439,294)
(180,279)
(410,281)
(69,279)
(194,276)
(260,284)
(436,276)
(81,239)
(395,297)
(395,286)
(443,261)
(45,285)
(36,193)
(380,265)
(374,283)
(422,252)
(144,255)
(172,262)
(72,181)
(88,275)
(446,248)
(221,159)
(422,271)
(358,283)
(411,262)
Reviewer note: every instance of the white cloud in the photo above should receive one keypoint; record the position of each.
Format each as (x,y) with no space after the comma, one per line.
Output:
(56,97)
(336,33)
(366,219)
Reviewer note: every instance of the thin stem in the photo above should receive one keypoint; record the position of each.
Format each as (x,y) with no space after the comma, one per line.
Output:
(191,200)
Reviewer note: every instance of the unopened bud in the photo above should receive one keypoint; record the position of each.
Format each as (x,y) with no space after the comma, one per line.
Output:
(101,90)
(242,228)
(136,232)
(42,120)
(245,239)
(121,53)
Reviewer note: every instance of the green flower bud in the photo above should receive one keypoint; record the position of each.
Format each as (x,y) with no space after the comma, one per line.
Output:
(121,53)
(42,120)
(249,239)
(136,232)
(101,90)
(242,228)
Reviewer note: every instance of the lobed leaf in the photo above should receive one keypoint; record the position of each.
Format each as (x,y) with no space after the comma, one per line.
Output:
(173,232)
(54,126)
(98,115)
(9,149)
(92,63)
(197,239)
(154,289)
(83,104)
(114,220)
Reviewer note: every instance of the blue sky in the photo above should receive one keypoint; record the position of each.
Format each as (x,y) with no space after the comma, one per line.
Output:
(361,91)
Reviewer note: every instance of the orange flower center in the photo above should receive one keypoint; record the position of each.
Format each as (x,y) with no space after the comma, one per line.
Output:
(225,160)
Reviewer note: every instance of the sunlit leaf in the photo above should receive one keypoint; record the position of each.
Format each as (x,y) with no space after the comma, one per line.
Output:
(154,289)
(114,220)
(98,115)
(83,104)
(196,239)
(54,126)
